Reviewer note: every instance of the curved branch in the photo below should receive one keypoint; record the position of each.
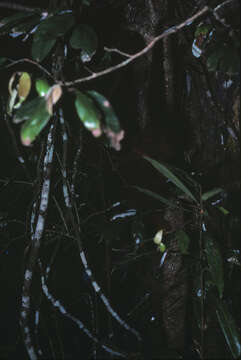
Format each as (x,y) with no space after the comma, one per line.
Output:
(132,58)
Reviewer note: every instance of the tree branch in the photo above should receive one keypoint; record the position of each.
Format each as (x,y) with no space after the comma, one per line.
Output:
(132,58)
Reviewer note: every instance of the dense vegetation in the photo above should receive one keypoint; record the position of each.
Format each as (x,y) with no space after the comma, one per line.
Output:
(119,188)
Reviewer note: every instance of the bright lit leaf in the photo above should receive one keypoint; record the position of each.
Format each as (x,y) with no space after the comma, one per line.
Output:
(88,113)
(42,87)
(36,118)
(52,97)
(158,237)
(169,175)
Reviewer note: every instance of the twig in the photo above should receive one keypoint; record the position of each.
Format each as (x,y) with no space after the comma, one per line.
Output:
(132,58)
(31,62)
(118,52)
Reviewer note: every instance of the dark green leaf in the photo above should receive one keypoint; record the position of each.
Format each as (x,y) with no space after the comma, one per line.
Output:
(84,38)
(110,117)
(27,25)
(207,195)
(156,196)
(215,263)
(223,210)
(183,241)
(11,21)
(47,33)
(88,113)
(169,175)
(230,330)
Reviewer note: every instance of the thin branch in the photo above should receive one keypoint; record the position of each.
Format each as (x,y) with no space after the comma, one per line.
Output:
(13,62)
(118,52)
(39,215)
(57,304)
(132,58)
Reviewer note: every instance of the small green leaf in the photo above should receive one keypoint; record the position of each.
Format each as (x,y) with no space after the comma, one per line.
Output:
(215,263)
(162,247)
(28,110)
(203,30)
(230,330)
(183,241)
(207,195)
(42,87)
(223,210)
(169,175)
(84,37)
(47,33)
(88,113)
(156,196)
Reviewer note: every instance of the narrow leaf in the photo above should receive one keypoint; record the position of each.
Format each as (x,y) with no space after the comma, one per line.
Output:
(230,330)
(155,196)
(24,86)
(207,195)
(169,175)
(215,263)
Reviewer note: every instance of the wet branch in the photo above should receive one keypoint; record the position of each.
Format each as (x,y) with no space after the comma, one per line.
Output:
(38,219)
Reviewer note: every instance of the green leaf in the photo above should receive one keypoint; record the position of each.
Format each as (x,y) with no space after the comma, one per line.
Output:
(110,117)
(88,113)
(223,210)
(169,175)
(42,87)
(155,196)
(47,33)
(215,263)
(203,30)
(11,21)
(27,110)
(229,329)
(183,241)
(84,37)
(36,118)
(207,195)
